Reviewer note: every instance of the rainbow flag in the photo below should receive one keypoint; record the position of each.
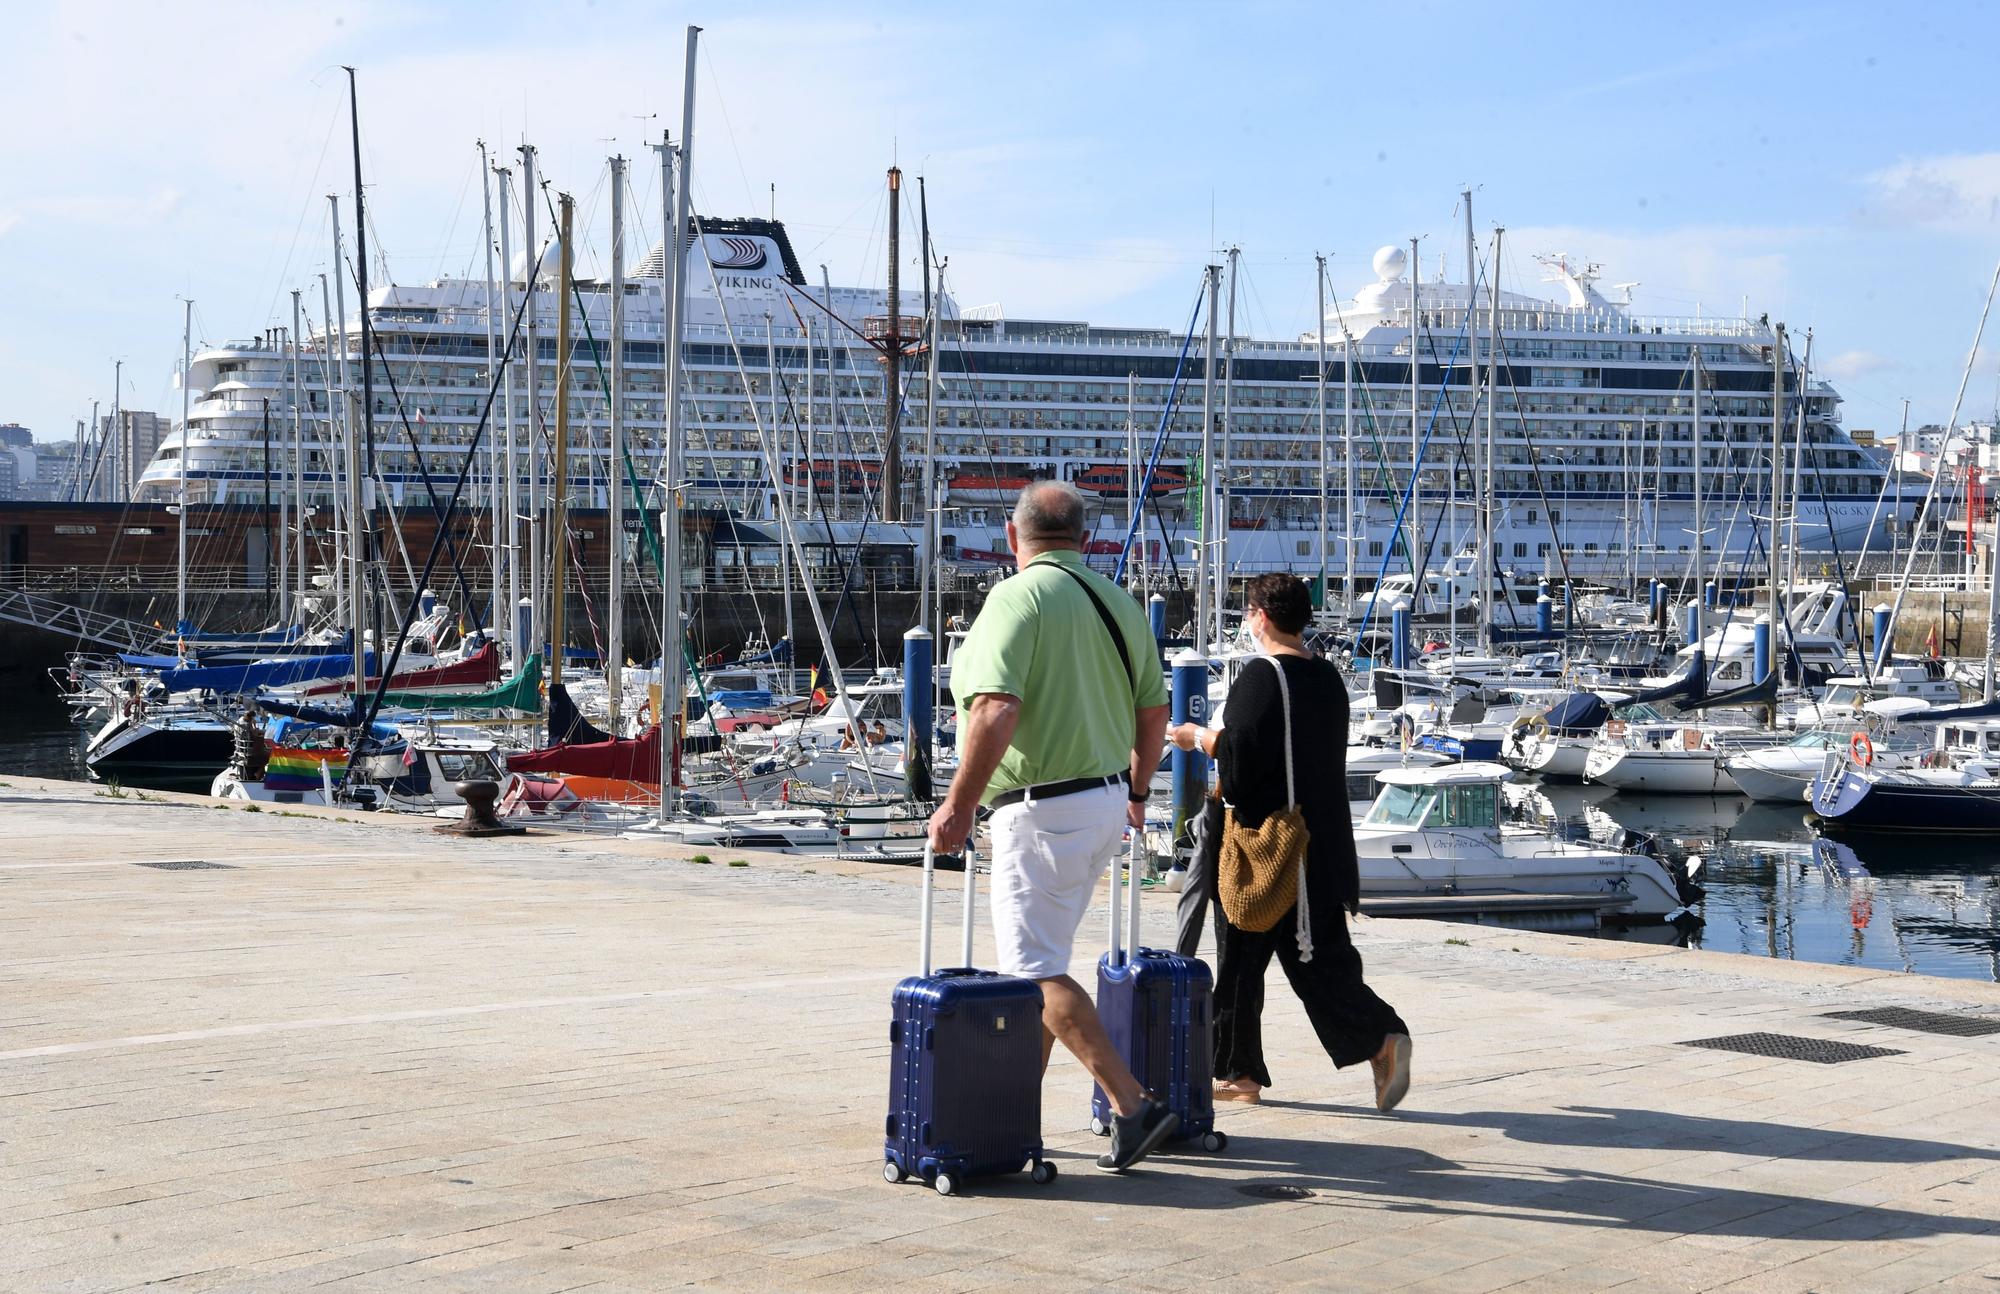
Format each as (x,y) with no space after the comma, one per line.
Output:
(293,768)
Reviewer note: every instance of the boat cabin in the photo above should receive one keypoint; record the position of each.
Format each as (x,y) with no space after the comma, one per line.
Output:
(1465,796)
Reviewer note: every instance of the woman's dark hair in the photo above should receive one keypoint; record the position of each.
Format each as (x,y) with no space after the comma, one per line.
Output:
(1283,598)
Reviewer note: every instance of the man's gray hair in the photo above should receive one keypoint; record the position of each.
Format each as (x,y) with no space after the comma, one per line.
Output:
(1050,512)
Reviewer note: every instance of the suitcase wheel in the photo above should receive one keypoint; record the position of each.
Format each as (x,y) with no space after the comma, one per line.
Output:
(1043,1172)
(1099,1127)
(893,1171)
(945,1184)
(1215,1140)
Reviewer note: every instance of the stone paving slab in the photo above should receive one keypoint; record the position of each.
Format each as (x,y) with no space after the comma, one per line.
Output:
(363,1057)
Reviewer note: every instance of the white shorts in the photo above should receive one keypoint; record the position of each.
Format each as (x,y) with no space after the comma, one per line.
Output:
(1048,856)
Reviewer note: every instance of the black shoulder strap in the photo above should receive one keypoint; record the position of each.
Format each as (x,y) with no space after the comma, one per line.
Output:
(1110,625)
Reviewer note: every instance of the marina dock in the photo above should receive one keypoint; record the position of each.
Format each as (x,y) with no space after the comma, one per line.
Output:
(316,1049)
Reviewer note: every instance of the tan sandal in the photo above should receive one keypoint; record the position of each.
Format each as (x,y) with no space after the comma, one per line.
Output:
(1227,1091)
(1392,1071)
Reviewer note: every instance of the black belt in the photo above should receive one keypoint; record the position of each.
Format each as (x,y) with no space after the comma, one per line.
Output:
(1050,790)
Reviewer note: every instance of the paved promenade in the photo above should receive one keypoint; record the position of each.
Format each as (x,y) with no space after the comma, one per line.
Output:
(363,1057)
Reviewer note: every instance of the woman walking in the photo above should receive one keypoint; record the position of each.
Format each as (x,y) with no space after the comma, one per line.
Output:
(1319,959)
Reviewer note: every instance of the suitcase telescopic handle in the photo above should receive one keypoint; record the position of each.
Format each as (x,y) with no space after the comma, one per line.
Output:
(971,888)
(1122,947)
(930,873)
(1133,886)
(929,892)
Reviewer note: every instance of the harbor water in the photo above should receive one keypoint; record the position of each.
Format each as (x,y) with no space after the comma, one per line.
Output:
(1774,887)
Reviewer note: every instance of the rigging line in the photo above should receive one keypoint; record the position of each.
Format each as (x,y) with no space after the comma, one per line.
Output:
(465,591)
(306,210)
(1383,475)
(1145,485)
(1416,473)
(365,731)
(1832,535)
(728,128)
(771,465)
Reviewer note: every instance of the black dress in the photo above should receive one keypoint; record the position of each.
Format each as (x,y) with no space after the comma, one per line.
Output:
(1349,1018)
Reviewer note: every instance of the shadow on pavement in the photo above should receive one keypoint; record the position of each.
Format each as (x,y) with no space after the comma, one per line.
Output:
(1347,1174)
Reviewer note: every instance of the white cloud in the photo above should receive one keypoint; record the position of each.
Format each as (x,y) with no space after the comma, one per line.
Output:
(1850,364)
(1954,191)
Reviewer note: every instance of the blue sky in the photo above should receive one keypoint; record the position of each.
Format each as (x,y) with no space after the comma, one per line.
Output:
(1830,162)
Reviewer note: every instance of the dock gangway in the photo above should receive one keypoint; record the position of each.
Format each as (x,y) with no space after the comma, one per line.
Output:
(59,617)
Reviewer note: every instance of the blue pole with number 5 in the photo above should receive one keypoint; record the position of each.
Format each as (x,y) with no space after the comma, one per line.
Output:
(1190,705)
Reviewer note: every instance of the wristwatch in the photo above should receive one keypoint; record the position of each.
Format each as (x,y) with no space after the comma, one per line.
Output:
(1137,796)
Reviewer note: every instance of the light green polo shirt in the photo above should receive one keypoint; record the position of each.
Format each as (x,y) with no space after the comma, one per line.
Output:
(1038,638)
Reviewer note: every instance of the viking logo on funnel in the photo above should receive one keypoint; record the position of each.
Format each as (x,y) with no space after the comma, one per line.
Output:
(739,254)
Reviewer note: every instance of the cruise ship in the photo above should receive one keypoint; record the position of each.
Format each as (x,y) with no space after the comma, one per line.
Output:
(1593,416)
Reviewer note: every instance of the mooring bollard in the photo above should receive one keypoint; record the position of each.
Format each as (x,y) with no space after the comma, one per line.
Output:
(479,819)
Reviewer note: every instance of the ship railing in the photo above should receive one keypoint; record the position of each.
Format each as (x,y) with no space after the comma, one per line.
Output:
(1935,582)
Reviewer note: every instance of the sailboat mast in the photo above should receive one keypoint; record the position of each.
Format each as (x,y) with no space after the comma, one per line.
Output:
(531,264)
(187,436)
(1224,505)
(1490,592)
(839,482)
(673,682)
(614,475)
(559,482)
(783,483)
(509,540)
(1694,439)
(496,482)
(1774,602)
(1349,521)
(298,461)
(892,357)
(926,583)
(123,474)
(1413,541)
(350,459)
(1206,531)
(1482,604)
(1798,473)
(1319,298)
(361,550)
(335,439)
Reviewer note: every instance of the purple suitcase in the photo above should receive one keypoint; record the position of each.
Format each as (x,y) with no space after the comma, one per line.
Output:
(1159,1009)
(965,1069)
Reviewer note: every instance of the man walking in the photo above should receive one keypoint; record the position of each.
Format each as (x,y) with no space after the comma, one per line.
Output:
(1062,712)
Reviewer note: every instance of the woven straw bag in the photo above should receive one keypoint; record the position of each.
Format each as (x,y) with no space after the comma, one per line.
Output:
(1261,873)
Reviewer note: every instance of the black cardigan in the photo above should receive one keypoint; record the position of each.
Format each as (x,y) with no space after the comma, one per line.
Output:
(1252,762)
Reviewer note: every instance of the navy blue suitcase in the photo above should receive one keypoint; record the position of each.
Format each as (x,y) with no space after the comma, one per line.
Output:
(1159,1009)
(965,1069)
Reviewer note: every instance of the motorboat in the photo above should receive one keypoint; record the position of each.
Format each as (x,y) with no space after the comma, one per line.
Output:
(1670,757)
(1441,831)
(1954,787)
(1555,744)
(1780,774)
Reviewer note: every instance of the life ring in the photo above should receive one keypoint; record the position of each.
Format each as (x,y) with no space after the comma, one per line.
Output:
(1690,739)
(645,717)
(1616,728)
(1861,750)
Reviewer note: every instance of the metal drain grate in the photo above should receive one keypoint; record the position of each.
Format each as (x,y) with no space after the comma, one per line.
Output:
(1951,1023)
(1787,1046)
(187,865)
(1274,1191)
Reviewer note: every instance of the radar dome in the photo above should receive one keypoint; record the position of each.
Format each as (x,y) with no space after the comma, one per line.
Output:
(1389,263)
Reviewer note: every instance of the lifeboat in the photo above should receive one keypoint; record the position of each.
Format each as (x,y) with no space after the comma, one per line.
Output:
(985,487)
(1113,481)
